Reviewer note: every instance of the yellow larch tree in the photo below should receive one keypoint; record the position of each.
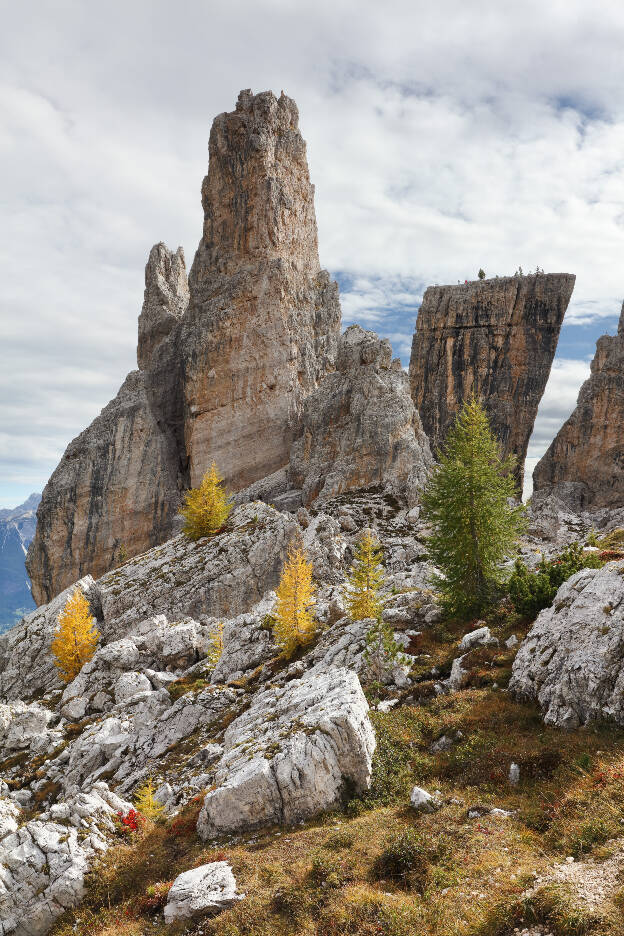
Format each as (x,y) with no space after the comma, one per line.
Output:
(146,803)
(294,625)
(207,507)
(76,636)
(216,646)
(365,580)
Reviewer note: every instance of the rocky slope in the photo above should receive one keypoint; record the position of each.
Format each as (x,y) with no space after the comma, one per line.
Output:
(273,743)
(495,338)
(17,528)
(244,753)
(360,428)
(225,360)
(584,465)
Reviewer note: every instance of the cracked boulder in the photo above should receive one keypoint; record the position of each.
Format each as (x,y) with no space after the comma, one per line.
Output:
(205,890)
(572,660)
(294,753)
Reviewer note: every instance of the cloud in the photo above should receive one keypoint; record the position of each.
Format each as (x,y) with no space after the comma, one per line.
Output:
(441,138)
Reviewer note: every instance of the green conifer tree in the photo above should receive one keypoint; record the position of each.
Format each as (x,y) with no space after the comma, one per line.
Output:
(382,652)
(470,503)
(364,580)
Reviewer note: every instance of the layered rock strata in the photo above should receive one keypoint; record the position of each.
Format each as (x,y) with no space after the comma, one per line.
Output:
(360,428)
(584,465)
(223,368)
(492,338)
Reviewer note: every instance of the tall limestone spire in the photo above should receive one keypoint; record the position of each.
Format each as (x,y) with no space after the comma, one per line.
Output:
(264,320)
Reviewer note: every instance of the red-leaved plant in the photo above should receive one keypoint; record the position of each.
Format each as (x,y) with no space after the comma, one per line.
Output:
(131,822)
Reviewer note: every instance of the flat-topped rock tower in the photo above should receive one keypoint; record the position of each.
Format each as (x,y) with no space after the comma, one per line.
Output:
(584,465)
(493,338)
(226,359)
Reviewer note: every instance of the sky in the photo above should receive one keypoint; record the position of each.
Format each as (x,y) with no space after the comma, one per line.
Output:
(441,138)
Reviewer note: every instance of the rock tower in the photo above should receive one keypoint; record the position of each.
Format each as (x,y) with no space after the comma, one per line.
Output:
(264,319)
(493,338)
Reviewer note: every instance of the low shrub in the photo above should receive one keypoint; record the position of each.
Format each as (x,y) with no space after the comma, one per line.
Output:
(339,840)
(594,832)
(154,898)
(328,871)
(531,591)
(130,822)
(406,859)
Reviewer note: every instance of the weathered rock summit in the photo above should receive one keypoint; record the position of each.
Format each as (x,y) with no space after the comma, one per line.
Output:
(360,428)
(584,465)
(494,338)
(225,360)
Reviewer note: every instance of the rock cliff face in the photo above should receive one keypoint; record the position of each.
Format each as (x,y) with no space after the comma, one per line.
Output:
(584,466)
(114,493)
(495,338)
(165,301)
(360,428)
(224,369)
(264,319)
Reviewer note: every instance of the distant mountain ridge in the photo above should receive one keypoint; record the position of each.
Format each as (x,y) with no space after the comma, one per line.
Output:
(17,528)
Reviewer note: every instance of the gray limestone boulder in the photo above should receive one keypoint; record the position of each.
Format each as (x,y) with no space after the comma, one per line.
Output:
(572,661)
(291,755)
(480,637)
(206,890)
(423,802)
(24,727)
